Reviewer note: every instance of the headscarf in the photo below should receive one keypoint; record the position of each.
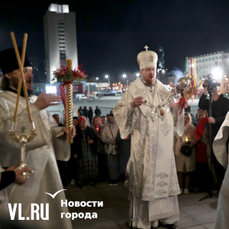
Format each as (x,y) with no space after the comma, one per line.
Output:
(190,120)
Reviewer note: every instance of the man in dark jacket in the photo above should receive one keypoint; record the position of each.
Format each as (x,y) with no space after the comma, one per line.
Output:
(85,112)
(97,111)
(220,107)
(90,114)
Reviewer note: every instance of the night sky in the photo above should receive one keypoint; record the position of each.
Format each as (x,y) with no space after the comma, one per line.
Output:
(111,33)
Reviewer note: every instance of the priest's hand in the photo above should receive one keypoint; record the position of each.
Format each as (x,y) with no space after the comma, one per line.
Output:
(138,101)
(73,131)
(45,100)
(211,120)
(19,178)
(188,143)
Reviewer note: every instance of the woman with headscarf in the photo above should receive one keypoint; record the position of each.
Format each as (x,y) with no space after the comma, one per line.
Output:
(86,141)
(185,164)
(102,161)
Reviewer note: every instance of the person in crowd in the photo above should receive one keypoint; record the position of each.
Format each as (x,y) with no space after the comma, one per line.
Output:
(75,121)
(86,141)
(57,119)
(42,151)
(185,164)
(194,121)
(72,163)
(103,122)
(109,139)
(199,111)
(220,107)
(102,160)
(90,115)
(146,112)
(96,125)
(202,169)
(124,155)
(85,112)
(97,111)
(108,119)
(81,111)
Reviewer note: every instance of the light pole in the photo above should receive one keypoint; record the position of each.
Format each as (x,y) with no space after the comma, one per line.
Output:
(125,76)
(108,80)
(97,79)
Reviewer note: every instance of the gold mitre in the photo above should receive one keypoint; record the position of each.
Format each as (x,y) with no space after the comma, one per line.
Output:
(147,59)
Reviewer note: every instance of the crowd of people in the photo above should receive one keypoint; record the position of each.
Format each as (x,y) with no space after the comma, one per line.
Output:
(98,153)
(201,170)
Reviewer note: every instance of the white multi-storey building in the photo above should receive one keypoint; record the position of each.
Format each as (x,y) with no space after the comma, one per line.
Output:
(60,38)
(216,63)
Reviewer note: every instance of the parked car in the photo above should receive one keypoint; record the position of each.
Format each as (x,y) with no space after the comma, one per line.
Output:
(81,96)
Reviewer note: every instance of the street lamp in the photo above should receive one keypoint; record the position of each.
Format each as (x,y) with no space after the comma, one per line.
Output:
(97,78)
(108,80)
(125,76)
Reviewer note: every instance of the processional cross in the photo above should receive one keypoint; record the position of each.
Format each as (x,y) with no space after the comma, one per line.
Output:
(146,48)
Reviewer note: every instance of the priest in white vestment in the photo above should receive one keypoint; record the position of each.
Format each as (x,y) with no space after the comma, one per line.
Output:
(40,152)
(147,111)
(220,149)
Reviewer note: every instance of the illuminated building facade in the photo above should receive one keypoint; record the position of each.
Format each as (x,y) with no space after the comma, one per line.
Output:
(60,38)
(216,63)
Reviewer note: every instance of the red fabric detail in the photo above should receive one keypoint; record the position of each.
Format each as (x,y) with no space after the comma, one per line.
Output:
(201,155)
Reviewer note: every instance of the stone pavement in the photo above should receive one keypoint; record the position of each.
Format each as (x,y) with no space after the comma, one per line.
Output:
(194,214)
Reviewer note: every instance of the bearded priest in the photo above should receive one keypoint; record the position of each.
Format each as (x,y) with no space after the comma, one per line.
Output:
(41,152)
(147,111)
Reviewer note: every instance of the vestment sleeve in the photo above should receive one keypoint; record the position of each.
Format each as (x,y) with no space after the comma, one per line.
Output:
(61,147)
(125,115)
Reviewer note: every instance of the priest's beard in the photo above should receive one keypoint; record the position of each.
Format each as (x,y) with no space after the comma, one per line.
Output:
(14,82)
(150,82)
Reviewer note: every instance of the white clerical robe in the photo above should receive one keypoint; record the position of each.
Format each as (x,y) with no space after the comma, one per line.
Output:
(220,150)
(40,157)
(151,168)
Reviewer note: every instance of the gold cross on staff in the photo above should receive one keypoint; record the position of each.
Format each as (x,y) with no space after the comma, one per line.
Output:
(146,48)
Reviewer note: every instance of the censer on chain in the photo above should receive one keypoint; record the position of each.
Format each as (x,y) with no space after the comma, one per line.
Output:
(22,138)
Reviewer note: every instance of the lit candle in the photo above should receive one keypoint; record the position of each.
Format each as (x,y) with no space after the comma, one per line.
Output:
(97,129)
(186,139)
